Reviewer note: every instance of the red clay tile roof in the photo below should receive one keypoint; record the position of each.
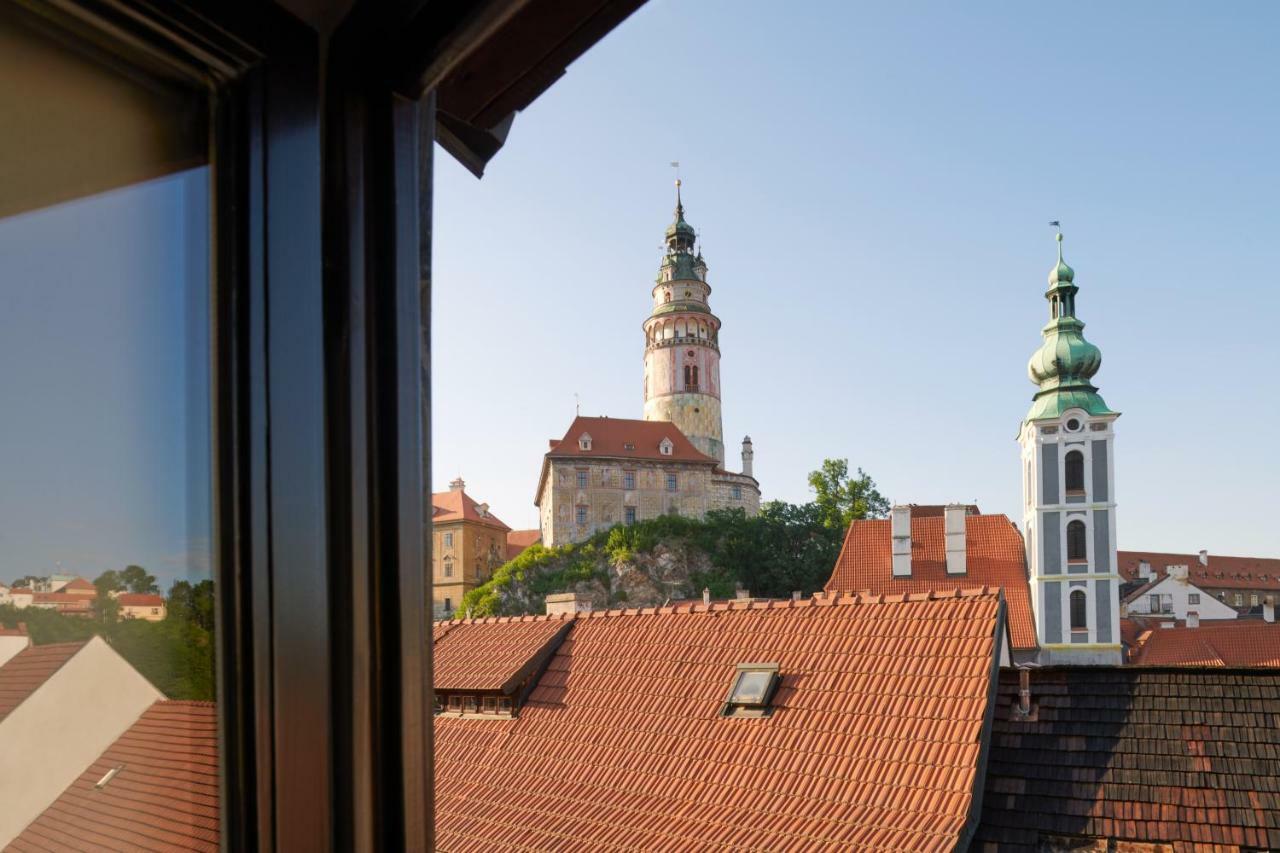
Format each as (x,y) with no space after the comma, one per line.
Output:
(139,599)
(79,584)
(164,798)
(61,598)
(610,437)
(20,631)
(438,630)
(995,558)
(23,673)
(457,505)
(874,739)
(1179,757)
(489,655)
(518,540)
(1216,642)
(1221,573)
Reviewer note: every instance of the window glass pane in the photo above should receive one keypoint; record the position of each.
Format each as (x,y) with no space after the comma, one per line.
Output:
(751,687)
(106,586)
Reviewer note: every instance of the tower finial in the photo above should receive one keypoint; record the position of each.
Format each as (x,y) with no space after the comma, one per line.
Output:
(1056,224)
(675,164)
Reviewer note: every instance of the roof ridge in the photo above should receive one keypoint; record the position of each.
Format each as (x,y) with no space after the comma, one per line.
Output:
(818,599)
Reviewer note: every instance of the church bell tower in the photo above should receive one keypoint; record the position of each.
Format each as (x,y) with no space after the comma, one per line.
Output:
(682,344)
(1068,487)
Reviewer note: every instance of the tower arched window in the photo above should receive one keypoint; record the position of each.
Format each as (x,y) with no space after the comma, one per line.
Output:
(691,377)
(1079,610)
(666,296)
(1077,549)
(1074,465)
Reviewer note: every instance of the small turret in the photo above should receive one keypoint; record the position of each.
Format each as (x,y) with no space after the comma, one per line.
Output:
(748,456)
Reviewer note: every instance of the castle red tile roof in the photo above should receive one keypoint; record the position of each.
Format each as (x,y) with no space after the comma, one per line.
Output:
(1217,642)
(164,795)
(23,673)
(621,438)
(457,505)
(875,737)
(1183,757)
(519,540)
(995,557)
(1221,573)
(140,599)
(492,655)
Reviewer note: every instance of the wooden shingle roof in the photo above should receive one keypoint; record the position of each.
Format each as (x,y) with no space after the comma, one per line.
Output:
(1183,757)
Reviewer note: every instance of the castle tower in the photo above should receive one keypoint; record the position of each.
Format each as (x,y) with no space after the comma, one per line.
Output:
(682,349)
(1068,488)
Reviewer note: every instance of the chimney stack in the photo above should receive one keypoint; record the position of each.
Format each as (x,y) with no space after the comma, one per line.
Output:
(1024,692)
(1269,609)
(748,456)
(900,525)
(1193,619)
(741,593)
(796,595)
(457,485)
(1144,569)
(1204,557)
(953,517)
(706,595)
(568,602)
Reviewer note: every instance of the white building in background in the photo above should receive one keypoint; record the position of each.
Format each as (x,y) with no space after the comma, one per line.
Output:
(1068,487)
(1173,595)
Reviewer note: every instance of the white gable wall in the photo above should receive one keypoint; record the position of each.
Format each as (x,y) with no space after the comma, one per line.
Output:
(62,728)
(1178,591)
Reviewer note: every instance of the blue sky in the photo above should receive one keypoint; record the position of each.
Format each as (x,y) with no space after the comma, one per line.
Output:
(872,184)
(103,339)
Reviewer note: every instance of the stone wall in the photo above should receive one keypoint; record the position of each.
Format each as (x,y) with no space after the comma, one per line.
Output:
(734,491)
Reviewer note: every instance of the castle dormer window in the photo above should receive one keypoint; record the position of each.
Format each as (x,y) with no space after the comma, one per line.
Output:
(666,447)
(584,441)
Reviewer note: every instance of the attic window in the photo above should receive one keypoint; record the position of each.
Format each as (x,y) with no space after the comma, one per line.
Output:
(752,691)
(628,446)
(665,447)
(584,442)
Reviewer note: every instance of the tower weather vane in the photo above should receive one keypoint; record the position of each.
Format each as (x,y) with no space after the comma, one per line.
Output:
(1056,224)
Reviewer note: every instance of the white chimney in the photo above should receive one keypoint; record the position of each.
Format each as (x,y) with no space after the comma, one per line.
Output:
(1268,609)
(457,485)
(748,456)
(1204,557)
(1144,569)
(1193,619)
(706,595)
(900,525)
(953,518)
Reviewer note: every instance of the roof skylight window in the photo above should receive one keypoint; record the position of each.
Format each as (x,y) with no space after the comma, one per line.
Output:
(751,693)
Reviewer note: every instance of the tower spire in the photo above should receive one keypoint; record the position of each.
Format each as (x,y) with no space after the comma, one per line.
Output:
(1065,363)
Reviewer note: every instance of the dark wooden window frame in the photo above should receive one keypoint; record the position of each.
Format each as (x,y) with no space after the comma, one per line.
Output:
(320,167)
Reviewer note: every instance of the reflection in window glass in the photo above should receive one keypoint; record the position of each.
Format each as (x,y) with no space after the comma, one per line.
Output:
(106,586)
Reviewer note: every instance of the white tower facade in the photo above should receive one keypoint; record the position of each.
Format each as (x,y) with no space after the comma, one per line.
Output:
(1069,494)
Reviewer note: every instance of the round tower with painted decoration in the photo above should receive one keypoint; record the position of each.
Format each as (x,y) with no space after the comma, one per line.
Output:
(1068,487)
(682,344)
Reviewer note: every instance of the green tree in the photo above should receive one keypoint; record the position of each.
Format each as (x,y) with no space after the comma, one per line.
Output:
(28,581)
(108,582)
(841,499)
(192,603)
(136,579)
(106,610)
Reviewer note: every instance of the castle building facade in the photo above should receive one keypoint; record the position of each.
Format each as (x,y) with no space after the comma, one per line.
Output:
(1069,494)
(467,543)
(607,471)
